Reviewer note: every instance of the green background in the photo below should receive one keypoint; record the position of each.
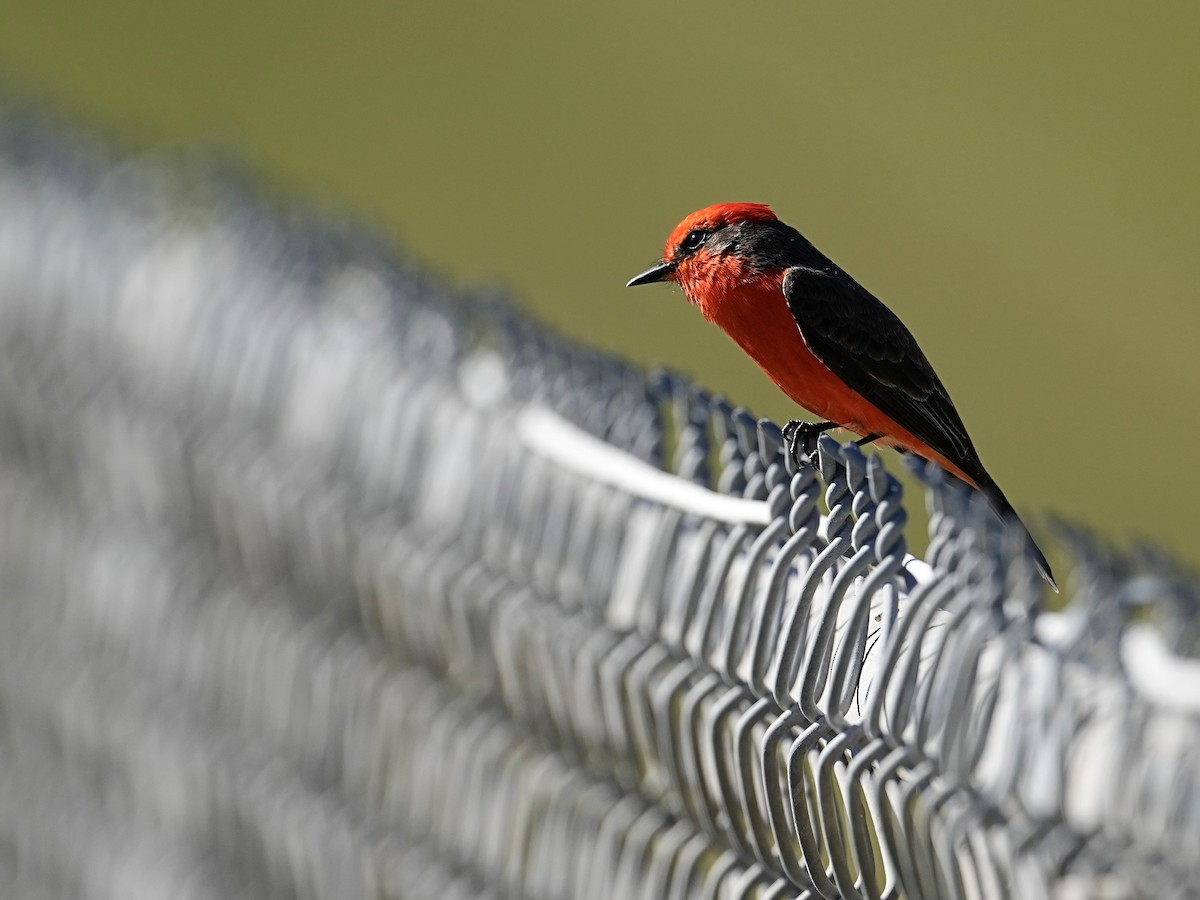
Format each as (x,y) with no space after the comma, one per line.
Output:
(1018,181)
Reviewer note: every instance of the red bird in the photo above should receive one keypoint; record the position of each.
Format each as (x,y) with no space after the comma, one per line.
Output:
(823,338)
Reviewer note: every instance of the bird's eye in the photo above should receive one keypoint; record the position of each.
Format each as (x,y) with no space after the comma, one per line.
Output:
(695,238)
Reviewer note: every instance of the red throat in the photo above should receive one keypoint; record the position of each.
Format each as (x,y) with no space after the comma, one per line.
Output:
(727,289)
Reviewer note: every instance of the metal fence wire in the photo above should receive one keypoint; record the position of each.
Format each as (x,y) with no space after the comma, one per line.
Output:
(319,580)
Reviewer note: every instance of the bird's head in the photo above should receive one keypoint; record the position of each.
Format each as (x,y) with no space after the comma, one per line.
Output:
(716,248)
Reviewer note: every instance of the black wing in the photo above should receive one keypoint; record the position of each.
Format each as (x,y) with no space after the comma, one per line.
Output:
(868,347)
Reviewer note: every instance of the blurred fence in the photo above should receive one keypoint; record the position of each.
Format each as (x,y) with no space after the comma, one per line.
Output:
(319,581)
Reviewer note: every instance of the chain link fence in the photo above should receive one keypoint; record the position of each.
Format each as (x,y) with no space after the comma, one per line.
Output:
(318,580)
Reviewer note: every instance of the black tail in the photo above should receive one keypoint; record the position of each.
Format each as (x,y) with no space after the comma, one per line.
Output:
(1005,510)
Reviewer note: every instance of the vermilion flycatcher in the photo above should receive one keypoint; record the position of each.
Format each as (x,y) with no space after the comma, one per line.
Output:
(822,337)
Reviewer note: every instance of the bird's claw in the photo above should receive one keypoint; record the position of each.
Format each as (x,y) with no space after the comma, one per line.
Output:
(800,438)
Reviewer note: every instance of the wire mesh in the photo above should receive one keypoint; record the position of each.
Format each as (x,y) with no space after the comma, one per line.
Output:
(322,581)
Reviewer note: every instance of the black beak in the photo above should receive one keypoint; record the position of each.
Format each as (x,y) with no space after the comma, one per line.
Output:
(658,272)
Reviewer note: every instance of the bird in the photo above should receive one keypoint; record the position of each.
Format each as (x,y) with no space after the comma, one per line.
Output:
(826,341)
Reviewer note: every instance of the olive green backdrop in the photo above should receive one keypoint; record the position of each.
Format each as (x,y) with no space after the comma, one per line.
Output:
(1019,184)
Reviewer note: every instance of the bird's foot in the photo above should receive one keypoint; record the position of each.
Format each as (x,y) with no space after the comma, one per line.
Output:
(869,439)
(800,438)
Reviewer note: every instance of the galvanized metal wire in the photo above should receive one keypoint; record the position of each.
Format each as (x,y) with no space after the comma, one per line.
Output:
(319,580)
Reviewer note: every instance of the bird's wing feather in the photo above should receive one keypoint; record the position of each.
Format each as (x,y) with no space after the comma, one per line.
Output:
(867,346)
